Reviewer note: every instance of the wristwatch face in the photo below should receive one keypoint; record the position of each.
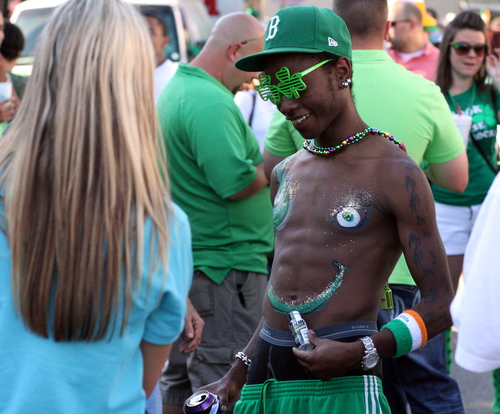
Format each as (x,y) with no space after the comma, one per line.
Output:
(371,357)
(370,360)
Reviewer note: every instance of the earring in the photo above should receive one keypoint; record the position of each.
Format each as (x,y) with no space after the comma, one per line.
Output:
(345,84)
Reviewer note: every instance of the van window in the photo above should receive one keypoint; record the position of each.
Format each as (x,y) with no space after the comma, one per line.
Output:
(167,15)
(33,21)
(196,26)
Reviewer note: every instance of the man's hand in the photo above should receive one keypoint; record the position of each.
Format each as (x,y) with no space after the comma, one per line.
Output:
(493,67)
(329,358)
(228,388)
(8,108)
(193,328)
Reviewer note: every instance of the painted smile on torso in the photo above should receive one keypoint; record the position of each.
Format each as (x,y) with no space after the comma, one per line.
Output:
(349,214)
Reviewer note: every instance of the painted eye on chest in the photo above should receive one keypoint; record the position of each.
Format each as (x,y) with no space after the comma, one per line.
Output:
(348,217)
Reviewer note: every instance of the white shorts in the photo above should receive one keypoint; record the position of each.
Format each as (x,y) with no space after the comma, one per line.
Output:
(455,226)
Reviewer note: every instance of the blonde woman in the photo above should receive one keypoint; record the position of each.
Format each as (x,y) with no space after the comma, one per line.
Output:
(95,261)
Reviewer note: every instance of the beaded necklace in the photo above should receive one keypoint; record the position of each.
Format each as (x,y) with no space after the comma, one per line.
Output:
(471,102)
(314,149)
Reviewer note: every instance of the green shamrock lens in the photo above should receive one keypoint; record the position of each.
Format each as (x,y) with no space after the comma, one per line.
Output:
(288,85)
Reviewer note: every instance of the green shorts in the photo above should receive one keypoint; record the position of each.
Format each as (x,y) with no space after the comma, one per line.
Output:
(353,395)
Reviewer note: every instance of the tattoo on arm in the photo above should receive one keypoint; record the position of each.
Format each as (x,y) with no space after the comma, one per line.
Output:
(411,186)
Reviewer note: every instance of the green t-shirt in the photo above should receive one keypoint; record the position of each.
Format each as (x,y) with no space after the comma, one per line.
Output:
(211,156)
(484,130)
(427,129)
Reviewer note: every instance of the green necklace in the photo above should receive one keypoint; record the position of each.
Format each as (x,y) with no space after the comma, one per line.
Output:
(314,149)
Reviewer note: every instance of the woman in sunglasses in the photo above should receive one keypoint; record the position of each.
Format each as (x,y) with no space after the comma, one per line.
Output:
(462,75)
(469,79)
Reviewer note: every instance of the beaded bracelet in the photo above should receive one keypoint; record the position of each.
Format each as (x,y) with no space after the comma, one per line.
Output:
(247,361)
(409,331)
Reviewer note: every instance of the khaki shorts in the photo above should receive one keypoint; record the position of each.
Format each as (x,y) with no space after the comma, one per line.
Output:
(232,312)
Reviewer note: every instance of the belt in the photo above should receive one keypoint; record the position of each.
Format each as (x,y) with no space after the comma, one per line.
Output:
(337,331)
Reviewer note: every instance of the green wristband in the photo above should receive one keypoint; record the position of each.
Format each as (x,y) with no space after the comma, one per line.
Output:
(402,335)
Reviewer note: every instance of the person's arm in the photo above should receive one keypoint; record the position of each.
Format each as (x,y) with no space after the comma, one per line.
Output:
(255,186)
(165,322)
(413,207)
(229,158)
(228,388)
(452,175)
(478,344)
(8,108)
(193,329)
(445,153)
(493,70)
(281,140)
(270,161)
(154,358)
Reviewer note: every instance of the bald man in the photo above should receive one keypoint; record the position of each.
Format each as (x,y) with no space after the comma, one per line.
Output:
(217,178)
(408,40)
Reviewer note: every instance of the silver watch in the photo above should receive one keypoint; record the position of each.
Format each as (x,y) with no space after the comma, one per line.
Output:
(371,357)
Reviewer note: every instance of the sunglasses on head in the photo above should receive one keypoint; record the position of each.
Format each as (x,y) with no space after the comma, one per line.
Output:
(463,48)
(289,85)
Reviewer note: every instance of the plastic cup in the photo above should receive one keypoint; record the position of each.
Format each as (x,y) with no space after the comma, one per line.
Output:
(464,122)
(5,91)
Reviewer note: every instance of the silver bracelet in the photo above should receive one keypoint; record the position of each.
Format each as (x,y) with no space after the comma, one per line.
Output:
(247,361)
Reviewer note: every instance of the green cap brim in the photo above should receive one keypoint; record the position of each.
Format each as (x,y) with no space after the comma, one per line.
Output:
(257,61)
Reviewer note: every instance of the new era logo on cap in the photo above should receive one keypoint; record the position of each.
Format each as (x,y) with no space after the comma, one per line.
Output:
(332,42)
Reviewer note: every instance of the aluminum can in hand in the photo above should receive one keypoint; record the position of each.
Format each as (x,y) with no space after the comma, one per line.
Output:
(202,402)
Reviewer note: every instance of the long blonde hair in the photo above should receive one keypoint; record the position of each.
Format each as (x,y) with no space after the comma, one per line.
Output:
(81,172)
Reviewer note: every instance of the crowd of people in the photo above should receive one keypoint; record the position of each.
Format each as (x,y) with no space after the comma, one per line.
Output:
(159,235)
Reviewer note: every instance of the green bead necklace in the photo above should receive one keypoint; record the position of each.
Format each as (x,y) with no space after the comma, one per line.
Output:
(314,149)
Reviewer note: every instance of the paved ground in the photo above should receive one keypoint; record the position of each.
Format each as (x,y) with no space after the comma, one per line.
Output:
(476,389)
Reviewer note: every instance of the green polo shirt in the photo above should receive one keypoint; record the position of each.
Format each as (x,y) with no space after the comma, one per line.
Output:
(212,154)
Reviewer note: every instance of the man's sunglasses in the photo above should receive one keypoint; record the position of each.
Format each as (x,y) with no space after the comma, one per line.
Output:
(289,85)
(395,22)
(463,48)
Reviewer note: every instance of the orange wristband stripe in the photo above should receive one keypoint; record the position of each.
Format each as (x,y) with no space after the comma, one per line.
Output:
(421,325)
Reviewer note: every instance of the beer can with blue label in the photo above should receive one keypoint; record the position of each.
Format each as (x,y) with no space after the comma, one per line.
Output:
(202,402)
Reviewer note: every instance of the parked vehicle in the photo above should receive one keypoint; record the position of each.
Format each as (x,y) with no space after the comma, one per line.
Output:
(187,21)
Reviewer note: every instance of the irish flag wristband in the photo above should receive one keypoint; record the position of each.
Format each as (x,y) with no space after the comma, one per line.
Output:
(409,330)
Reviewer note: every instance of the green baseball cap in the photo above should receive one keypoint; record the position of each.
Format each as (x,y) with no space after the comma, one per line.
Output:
(301,29)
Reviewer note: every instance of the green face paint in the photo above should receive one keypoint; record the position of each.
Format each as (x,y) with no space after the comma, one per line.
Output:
(313,304)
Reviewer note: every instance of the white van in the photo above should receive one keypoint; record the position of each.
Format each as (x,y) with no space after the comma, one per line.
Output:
(187,21)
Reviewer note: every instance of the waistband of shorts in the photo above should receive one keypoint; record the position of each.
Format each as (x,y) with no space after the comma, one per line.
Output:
(337,331)
(279,389)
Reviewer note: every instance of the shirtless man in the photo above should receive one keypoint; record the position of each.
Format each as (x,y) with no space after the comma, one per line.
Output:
(345,208)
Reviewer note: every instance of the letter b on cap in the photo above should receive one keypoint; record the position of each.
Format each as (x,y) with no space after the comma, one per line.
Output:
(272,28)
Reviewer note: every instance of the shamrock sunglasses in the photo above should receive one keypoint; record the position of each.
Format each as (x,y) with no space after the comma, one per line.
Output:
(288,85)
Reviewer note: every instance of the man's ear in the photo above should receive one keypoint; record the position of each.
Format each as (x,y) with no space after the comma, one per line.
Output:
(386,30)
(343,69)
(166,41)
(232,52)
